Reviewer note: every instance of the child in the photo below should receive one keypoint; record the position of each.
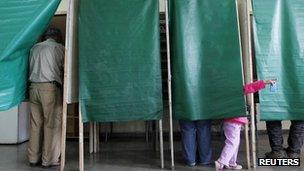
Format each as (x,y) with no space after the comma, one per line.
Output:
(232,129)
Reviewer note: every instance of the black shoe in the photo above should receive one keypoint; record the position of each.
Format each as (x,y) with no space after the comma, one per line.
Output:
(293,155)
(190,164)
(46,167)
(51,165)
(206,164)
(276,154)
(35,164)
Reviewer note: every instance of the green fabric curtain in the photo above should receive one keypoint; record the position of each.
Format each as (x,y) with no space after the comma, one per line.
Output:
(206,60)
(21,23)
(119,60)
(279,46)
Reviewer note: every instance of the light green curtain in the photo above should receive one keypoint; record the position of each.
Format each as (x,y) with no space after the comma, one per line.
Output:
(206,60)
(21,23)
(279,47)
(119,60)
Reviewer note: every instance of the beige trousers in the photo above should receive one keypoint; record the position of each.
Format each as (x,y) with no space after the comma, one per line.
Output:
(45,123)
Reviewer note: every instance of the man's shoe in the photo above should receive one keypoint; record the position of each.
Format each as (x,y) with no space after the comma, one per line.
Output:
(35,164)
(276,154)
(293,155)
(46,166)
(191,164)
(206,164)
(50,165)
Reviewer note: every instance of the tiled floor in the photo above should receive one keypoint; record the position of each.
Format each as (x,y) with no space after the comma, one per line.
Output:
(127,154)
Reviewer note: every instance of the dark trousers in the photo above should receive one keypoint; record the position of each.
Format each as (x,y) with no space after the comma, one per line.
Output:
(295,138)
(196,139)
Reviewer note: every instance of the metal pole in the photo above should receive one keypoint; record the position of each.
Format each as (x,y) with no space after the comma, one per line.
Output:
(147,130)
(169,82)
(63,129)
(250,77)
(244,55)
(156,147)
(95,137)
(68,51)
(161,143)
(81,153)
(91,138)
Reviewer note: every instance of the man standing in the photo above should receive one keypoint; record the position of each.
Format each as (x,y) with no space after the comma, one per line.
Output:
(196,142)
(45,75)
(295,139)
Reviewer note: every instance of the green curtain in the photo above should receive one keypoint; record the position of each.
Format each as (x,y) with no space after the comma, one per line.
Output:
(119,60)
(206,60)
(279,47)
(21,23)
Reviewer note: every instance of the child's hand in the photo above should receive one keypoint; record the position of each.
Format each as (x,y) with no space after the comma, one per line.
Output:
(272,81)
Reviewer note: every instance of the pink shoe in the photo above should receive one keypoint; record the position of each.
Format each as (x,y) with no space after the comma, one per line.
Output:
(236,167)
(218,165)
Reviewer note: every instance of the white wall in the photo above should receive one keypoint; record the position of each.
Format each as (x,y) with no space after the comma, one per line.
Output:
(63,6)
(162,5)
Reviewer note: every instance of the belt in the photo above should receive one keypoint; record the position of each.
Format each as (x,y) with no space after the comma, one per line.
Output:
(51,82)
(56,83)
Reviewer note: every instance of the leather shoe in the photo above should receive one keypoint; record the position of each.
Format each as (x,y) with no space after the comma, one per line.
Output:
(276,154)
(50,165)
(35,164)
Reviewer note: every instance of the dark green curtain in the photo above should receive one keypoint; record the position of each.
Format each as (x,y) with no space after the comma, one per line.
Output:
(206,60)
(119,60)
(21,23)
(279,46)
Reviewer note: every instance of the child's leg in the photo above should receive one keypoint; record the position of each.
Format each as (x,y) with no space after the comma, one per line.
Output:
(233,159)
(232,134)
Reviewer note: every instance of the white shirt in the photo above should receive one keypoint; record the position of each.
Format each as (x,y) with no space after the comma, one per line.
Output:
(46,62)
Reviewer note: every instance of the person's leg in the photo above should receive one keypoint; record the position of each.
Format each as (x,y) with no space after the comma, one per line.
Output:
(36,128)
(204,144)
(233,160)
(295,138)
(52,108)
(188,133)
(232,134)
(275,135)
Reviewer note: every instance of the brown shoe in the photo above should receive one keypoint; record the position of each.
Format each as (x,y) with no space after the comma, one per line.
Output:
(276,154)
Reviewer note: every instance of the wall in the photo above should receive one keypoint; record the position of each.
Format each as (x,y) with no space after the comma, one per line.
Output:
(63,6)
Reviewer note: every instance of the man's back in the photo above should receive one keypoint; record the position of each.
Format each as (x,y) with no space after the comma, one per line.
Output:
(46,71)
(46,62)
